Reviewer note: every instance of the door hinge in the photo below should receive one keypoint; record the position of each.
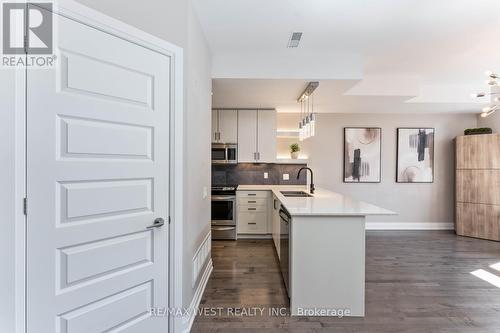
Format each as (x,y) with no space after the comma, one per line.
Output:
(26,44)
(25,206)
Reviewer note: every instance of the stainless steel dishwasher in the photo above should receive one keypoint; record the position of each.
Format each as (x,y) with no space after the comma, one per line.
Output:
(285,220)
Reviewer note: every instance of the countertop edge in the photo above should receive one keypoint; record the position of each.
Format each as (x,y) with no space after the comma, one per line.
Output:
(275,189)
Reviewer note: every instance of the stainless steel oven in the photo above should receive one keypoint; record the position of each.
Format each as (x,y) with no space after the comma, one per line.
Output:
(224,212)
(224,153)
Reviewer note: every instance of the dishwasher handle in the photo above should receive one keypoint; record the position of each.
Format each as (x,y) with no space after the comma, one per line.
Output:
(285,216)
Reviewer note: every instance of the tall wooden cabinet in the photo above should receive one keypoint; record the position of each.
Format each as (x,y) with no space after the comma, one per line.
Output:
(478,186)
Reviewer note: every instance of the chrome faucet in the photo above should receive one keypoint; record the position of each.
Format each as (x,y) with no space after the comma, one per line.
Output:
(312,178)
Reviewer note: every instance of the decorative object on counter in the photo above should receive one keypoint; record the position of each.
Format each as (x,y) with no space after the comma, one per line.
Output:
(307,124)
(415,155)
(480,130)
(493,83)
(294,151)
(362,154)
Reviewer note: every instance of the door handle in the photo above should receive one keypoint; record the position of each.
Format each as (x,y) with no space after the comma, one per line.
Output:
(158,222)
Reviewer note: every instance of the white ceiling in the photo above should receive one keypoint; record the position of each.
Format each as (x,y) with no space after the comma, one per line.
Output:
(392,56)
(329,97)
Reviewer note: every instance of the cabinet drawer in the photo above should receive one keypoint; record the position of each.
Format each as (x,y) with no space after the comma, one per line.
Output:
(252,222)
(252,194)
(250,201)
(252,208)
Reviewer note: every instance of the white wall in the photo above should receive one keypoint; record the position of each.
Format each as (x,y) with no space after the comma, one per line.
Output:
(198,126)
(414,203)
(492,121)
(175,21)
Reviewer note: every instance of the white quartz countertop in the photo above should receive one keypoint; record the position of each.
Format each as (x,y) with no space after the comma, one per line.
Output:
(322,203)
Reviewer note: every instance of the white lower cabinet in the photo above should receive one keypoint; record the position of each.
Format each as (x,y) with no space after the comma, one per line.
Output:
(275,224)
(252,222)
(252,212)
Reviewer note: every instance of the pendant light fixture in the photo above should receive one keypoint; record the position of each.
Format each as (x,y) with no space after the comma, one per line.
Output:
(301,129)
(493,81)
(307,124)
(312,118)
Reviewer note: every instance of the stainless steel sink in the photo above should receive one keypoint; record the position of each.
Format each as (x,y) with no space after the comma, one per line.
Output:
(297,194)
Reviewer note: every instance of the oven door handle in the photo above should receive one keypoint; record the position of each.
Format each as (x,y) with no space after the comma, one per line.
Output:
(223,228)
(223,197)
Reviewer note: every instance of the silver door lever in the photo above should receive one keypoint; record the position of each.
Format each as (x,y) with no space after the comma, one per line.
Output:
(158,222)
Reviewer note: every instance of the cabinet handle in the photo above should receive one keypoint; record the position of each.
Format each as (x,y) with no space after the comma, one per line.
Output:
(252,194)
(252,223)
(252,201)
(252,208)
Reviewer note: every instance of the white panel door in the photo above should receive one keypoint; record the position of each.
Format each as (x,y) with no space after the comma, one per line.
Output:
(247,136)
(266,138)
(97,177)
(228,126)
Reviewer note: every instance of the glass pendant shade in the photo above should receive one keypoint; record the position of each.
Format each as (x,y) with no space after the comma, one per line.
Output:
(312,122)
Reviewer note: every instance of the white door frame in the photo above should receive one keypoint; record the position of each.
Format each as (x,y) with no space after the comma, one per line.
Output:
(98,20)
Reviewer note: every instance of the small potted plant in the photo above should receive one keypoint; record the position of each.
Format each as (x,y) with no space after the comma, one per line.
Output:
(294,150)
(476,131)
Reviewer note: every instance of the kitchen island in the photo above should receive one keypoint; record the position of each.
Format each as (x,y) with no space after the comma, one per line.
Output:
(326,250)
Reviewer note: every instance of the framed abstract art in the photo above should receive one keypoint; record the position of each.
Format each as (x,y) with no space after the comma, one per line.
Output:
(362,154)
(415,155)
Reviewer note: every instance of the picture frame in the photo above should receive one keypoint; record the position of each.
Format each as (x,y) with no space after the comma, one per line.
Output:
(415,154)
(362,162)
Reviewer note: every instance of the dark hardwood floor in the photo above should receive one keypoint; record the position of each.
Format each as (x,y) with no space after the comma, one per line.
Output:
(416,281)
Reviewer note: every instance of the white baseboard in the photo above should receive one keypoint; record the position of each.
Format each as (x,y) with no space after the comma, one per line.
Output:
(410,226)
(195,303)
(255,236)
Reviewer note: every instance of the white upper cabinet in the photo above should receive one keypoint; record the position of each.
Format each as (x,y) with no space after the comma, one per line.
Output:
(225,126)
(228,126)
(266,137)
(256,136)
(215,126)
(247,136)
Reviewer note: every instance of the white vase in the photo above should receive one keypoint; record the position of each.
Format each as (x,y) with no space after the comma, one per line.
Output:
(294,155)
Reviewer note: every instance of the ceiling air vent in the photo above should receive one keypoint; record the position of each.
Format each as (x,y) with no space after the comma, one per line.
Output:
(294,39)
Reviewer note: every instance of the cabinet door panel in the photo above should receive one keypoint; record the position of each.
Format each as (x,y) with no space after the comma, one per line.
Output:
(228,126)
(266,138)
(477,220)
(478,186)
(478,151)
(215,125)
(247,135)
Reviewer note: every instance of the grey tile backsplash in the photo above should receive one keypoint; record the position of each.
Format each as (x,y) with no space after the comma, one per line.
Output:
(253,174)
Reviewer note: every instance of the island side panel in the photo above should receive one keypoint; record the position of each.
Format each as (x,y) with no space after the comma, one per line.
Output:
(327,264)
